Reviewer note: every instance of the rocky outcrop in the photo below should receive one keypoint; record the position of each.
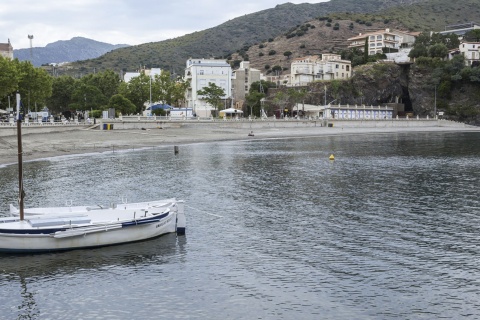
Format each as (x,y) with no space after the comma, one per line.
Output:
(379,83)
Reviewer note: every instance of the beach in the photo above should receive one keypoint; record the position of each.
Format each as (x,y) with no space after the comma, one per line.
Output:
(58,142)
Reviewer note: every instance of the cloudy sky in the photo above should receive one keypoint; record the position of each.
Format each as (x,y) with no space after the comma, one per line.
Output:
(118,21)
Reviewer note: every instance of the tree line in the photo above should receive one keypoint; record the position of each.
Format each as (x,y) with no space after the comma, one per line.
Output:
(93,92)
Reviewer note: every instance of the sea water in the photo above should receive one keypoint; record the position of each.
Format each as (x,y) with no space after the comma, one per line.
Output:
(275,230)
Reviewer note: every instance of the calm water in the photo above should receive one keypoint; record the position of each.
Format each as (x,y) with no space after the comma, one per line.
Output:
(389,230)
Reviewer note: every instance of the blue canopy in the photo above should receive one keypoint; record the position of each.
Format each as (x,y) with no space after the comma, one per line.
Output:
(160,106)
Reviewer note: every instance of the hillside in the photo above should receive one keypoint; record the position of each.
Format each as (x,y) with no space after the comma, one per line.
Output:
(226,38)
(319,37)
(75,49)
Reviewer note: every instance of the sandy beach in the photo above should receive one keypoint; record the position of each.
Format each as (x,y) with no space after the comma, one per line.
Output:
(57,143)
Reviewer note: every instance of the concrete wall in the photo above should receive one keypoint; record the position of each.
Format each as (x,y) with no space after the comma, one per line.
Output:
(239,124)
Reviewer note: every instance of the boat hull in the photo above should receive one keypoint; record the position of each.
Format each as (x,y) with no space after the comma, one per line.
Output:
(77,230)
(17,242)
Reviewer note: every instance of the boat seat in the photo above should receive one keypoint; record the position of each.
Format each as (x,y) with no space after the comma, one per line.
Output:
(37,223)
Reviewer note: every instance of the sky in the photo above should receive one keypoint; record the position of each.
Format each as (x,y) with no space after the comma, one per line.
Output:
(118,21)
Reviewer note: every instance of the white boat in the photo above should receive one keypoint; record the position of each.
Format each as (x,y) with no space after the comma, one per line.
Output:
(67,228)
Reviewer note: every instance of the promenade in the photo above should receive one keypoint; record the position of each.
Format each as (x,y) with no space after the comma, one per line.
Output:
(42,141)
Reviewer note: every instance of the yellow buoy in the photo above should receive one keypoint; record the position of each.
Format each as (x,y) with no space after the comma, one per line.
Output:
(331,157)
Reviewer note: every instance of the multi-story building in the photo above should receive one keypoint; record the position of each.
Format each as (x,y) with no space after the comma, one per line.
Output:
(6,50)
(378,40)
(471,52)
(242,79)
(201,72)
(327,67)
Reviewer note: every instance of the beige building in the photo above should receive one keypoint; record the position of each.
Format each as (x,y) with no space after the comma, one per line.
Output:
(242,79)
(6,50)
(327,67)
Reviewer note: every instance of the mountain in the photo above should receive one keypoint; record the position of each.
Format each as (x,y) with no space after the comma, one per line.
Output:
(75,49)
(225,39)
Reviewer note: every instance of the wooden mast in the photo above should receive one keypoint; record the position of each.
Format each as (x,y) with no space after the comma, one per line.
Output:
(21,194)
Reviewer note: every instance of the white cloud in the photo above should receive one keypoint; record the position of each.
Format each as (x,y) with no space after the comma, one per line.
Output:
(117,21)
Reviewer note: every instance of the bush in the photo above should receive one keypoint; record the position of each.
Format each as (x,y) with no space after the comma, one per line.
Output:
(272,52)
(261,54)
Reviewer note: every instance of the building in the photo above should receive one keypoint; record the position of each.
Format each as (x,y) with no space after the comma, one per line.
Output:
(355,112)
(311,68)
(471,52)
(6,50)
(148,72)
(201,72)
(242,79)
(381,39)
(460,29)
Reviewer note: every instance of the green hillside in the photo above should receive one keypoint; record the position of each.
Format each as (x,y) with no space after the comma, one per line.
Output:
(226,38)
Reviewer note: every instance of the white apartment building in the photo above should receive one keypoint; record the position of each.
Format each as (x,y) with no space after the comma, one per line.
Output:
(242,79)
(327,67)
(471,52)
(201,72)
(378,40)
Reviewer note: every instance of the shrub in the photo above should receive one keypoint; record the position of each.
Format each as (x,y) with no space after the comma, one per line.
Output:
(272,52)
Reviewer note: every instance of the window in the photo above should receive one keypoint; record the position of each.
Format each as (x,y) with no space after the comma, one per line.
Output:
(202,72)
(372,38)
(336,66)
(348,68)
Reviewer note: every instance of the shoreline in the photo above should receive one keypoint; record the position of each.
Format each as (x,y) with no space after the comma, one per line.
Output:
(44,145)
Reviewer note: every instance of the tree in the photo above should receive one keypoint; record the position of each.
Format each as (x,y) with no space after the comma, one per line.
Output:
(212,95)
(87,97)
(281,99)
(418,51)
(287,54)
(472,35)
(180,88)
(438,50)
(62,91)
(253,100)
(35,84)
(121,104)
(137,91)
(9,77)
(297,95)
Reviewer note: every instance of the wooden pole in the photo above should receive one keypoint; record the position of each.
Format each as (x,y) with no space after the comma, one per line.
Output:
(21,194)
